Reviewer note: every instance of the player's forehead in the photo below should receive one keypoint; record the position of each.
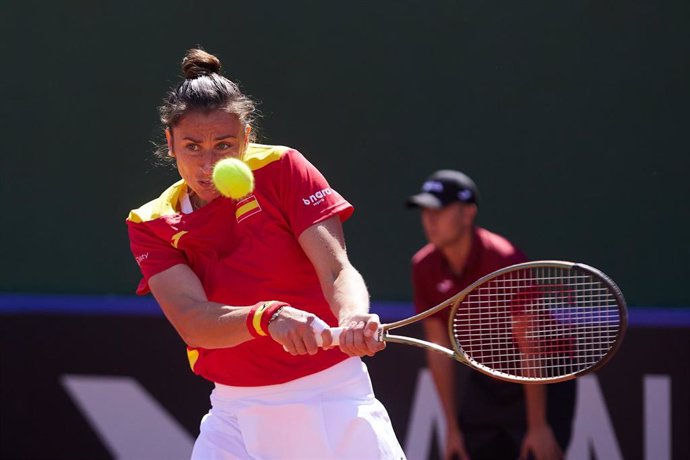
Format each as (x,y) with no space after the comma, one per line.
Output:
(205,124)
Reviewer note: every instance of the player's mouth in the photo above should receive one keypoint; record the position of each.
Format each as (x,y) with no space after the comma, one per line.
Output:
(206,183)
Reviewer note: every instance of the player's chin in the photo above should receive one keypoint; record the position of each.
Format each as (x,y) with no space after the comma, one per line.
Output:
(207,192)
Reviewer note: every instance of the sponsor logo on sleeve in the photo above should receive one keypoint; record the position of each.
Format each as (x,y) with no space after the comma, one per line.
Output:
(141,258)
(317,198)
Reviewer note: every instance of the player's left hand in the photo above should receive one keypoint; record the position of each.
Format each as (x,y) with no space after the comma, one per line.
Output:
(359,335)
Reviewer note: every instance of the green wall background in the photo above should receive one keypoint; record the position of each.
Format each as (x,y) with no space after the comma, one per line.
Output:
(571,116)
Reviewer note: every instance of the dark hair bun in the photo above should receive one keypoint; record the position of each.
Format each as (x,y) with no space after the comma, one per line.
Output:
(198,62)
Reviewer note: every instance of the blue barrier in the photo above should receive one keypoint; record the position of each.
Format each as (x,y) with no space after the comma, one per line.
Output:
(13,304)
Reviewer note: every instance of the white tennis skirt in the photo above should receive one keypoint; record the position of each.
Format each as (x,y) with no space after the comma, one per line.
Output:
(332,414)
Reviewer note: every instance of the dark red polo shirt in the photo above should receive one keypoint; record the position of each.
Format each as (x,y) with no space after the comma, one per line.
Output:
(434,282)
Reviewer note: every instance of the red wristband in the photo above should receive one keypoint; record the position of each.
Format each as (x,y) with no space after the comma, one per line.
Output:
(260,315)
(268,313)
(250,320)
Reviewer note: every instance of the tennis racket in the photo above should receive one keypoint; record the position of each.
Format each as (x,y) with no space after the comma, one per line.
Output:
(535,322)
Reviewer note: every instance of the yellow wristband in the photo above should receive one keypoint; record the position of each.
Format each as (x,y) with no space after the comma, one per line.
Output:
(256,320)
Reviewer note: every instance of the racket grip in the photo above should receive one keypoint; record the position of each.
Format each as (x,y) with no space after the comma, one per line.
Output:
(319,325)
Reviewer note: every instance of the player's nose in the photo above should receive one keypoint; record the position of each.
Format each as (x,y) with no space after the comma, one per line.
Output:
(208,161)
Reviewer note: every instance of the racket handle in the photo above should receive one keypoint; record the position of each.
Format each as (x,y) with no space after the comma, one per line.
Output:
(319,325)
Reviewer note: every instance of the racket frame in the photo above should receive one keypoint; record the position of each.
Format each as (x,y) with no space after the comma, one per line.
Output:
(456,301)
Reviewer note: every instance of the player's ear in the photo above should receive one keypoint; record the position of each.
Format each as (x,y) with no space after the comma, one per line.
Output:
(247,135)
(245,141)
(168,138)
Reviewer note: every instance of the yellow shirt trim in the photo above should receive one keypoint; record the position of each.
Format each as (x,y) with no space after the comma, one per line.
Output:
(192,357)
(259,155)
(164,205)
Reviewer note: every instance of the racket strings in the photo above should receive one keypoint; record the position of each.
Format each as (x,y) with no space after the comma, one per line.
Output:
(539,322)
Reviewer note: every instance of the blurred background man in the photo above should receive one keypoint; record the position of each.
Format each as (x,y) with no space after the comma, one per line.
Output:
(486,418)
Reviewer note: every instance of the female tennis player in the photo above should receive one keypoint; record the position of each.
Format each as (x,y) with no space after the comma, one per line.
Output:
(241,282)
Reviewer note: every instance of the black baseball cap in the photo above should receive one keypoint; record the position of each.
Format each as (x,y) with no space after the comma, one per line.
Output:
(443,188)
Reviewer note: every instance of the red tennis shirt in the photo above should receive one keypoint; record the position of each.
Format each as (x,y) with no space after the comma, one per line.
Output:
(245,252)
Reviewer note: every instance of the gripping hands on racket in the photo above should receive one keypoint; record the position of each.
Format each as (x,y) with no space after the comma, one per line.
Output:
(303,333)
(357,338)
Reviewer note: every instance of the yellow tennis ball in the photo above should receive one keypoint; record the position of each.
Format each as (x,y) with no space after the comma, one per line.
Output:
(233,178)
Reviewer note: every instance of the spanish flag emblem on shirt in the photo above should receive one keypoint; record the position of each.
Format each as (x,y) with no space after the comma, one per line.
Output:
(247,207)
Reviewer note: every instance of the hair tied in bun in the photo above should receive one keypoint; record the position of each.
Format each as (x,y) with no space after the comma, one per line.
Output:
(198,63)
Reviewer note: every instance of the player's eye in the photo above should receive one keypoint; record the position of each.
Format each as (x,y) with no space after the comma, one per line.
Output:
(193,147)
(224,146)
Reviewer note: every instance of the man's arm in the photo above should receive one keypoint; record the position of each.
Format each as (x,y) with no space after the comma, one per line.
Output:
(443,372)
(539,439)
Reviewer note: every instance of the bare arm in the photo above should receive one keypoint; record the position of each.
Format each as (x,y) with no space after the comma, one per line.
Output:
(199,322)
(535,398)
(539,438)
(206,324)
(342,286)
(443,373)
